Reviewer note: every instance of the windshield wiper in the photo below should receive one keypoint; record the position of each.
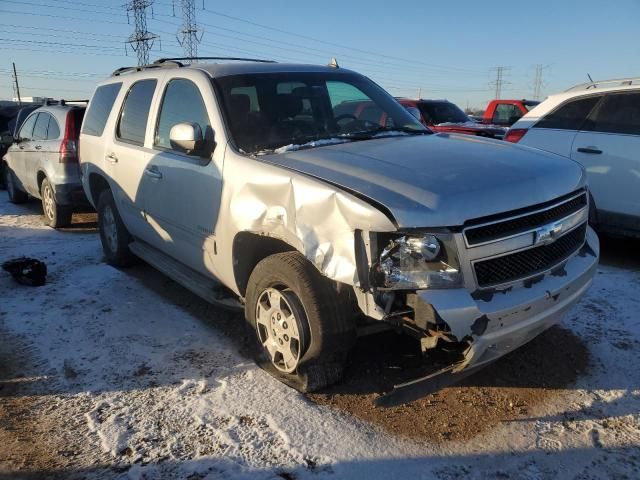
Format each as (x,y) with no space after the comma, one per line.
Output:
(366,134)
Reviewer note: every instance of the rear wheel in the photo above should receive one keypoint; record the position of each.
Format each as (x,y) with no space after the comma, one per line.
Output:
(15,194)
(55,215)
(300,322)
(114,236)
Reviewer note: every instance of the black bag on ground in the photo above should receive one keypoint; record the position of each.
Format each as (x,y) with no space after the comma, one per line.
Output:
(27,271)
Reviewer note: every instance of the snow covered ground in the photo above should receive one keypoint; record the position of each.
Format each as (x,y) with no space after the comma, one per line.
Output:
(136,383)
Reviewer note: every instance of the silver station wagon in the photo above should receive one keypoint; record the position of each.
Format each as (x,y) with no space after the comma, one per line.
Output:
(242,181)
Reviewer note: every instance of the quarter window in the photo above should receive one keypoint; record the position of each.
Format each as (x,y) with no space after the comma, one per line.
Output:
(42,124)
(618,113)
(99,109)
(182,103)
(53,132)
(569,116)
(26,132)
(132,123)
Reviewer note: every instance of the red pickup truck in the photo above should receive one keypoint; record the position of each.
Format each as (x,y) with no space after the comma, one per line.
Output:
(506,112)
(444,116)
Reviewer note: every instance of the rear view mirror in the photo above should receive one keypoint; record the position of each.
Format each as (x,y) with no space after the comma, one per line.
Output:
(187,137)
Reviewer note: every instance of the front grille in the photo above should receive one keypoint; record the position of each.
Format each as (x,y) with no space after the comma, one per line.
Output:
(528,262)
(513,226)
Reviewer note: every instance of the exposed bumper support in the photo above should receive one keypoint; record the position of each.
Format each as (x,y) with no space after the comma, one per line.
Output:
(501,321)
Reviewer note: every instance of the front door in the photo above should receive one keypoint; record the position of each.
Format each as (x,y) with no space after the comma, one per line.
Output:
(609,148)
(182,191)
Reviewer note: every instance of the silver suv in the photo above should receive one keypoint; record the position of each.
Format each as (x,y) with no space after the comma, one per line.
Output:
(241,182)
(43,162)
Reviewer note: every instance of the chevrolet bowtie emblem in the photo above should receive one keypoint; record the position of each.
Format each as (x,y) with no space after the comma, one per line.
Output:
(547,234)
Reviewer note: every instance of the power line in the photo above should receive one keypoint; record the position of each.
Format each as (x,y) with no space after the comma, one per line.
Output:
(141,40)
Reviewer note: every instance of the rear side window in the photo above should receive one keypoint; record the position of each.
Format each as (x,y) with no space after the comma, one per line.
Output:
(618,113)
(132,123)
(99,109)
(53,132)
(42,125)
(504,113)
(26,132)
(182,103)
(571,115)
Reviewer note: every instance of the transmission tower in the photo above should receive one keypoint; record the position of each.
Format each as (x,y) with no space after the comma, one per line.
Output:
(499,82)
(141,40)
(188,37)
(537,82)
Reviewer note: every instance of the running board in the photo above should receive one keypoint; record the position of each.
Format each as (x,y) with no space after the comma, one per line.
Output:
(206,288)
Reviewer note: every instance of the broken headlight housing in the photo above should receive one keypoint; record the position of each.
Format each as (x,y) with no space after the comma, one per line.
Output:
(418,261)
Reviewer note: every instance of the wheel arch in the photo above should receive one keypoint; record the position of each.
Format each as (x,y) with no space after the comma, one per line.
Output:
(248,250)
(97,185)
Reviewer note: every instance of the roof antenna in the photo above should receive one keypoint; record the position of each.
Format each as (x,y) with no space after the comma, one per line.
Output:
(590,79)
(334,63)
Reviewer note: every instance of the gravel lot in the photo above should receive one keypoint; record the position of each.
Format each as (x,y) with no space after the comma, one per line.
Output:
(124,374)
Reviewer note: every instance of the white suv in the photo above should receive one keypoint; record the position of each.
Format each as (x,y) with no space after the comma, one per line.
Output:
(598,125)
(248,183)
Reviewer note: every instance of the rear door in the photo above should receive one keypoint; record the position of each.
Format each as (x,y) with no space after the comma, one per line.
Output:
(18,152)
(609,147)
(555,132)
(127,155)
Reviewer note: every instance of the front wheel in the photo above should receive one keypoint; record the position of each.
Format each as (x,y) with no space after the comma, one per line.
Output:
(301,324)
(55,215)
(114,236)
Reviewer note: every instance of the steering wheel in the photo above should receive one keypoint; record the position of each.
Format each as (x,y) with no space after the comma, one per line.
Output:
(344,116)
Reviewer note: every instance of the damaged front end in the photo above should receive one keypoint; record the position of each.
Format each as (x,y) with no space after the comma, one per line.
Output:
(482,291)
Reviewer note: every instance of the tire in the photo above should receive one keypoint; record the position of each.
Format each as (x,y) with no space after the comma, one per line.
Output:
(55,215)
(288,283)
(3,175)
(16,195)
(114,236)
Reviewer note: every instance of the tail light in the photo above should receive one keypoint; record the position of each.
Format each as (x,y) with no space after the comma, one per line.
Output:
(69,145)
(514,135)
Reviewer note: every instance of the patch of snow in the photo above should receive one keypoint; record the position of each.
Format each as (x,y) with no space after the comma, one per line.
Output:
(167,394)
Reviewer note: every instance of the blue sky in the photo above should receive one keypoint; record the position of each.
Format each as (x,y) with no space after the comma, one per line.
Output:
(440,49)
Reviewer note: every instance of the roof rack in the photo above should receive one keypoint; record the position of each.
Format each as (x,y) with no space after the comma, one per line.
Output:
(616,82)
(122,70)
(177,63)
(191,59)
(62,102)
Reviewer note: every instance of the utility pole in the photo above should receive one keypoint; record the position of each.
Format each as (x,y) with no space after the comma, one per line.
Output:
(16,86)
(537,82)
(188,35)
(141,40)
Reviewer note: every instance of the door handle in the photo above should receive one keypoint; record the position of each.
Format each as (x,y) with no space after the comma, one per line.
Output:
(38,147)
(112,158)
(153,172)
(589,150)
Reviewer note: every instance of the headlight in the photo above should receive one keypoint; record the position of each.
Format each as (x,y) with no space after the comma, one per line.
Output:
(413,262)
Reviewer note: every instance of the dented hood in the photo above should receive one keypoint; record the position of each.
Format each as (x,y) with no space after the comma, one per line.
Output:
(439,180)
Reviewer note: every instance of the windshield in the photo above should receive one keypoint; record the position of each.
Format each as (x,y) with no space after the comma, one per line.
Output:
(436,113)
(267,111)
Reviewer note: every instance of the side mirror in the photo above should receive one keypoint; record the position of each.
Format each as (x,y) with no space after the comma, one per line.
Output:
(187,137)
